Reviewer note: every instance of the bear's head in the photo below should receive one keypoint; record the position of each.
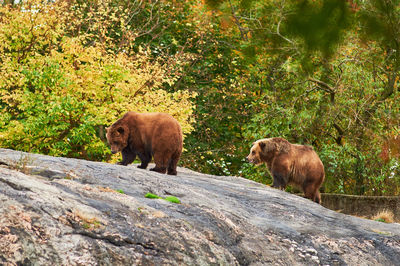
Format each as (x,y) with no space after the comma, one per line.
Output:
(117,136)
(263,150)
(257,151)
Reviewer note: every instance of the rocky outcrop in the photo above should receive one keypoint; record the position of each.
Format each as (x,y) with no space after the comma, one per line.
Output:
(60,211)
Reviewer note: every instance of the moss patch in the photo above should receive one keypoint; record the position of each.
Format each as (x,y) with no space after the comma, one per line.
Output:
(152,196)
(172,199)
(169,198)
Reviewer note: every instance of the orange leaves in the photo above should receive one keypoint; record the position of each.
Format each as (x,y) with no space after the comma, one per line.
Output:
(226,22)
(390,148)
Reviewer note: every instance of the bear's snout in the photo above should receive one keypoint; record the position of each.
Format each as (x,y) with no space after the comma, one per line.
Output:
(251,160)
(114,149)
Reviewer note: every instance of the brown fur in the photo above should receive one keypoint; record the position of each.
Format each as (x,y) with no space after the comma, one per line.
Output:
(292,164)
(147,135)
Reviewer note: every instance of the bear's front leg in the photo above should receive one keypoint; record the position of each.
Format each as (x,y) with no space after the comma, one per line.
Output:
(127,156)
(145,159)
(279,181)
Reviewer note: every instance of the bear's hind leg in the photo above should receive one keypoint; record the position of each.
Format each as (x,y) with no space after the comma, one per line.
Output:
(317,198)
(161,163)
(173,163)
(158,169)
(311,192)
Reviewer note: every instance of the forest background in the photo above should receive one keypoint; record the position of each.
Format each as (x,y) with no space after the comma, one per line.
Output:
(322,73)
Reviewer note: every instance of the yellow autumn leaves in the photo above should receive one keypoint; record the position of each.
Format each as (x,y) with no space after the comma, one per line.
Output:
(57,90)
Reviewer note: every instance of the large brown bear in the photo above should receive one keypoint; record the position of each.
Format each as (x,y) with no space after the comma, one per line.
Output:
(147,135)
(293,164)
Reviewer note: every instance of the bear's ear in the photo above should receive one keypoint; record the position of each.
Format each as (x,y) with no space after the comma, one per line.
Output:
(262,145)
(121,130)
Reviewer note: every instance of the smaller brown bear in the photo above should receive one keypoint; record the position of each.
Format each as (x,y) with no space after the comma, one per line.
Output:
(147,135)
(292,164)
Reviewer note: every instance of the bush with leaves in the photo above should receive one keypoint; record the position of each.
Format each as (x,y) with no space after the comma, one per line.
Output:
(57,94)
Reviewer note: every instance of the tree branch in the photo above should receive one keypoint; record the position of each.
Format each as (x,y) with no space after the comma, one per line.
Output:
(280,35)
(243,32)
(323,85)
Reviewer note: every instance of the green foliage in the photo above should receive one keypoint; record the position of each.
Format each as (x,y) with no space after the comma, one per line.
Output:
(57,93)
(322,73)
(312,80)
(381,22)
(259,174)
(319,23)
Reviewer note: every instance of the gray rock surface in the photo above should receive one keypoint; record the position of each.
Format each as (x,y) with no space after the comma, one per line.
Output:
(60,211)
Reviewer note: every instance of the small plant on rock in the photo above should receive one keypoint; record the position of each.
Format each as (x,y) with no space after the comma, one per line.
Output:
(385,216)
